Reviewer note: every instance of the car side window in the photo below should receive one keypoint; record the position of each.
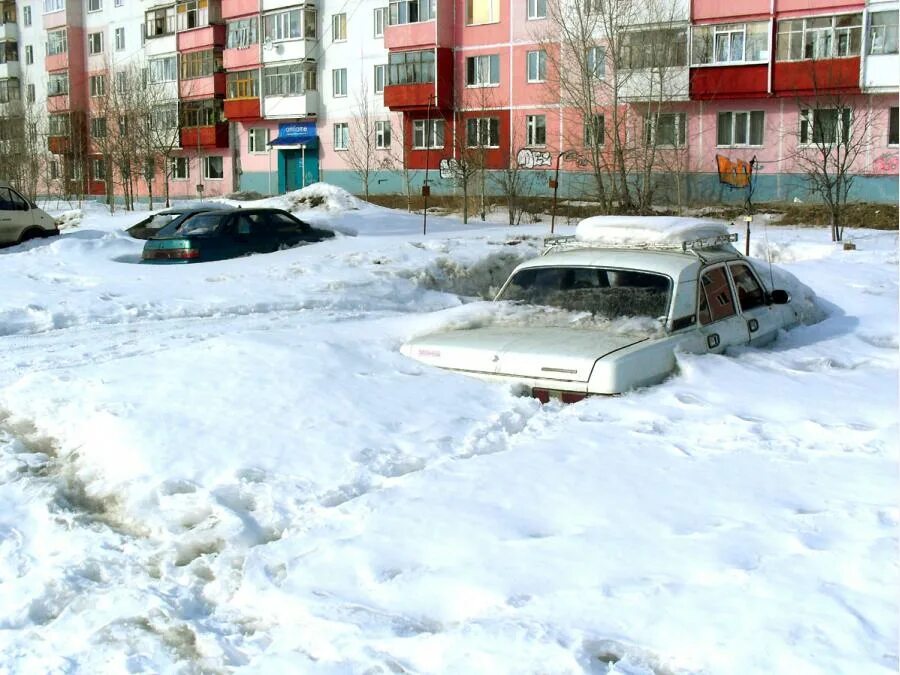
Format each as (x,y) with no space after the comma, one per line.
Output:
(6,200)
(750,293)
(716,301)
(286,224)
(245,224)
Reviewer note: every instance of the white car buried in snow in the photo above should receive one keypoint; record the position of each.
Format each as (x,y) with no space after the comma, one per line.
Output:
(615,303)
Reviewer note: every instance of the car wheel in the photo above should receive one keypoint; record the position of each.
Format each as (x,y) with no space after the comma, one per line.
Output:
(30,233)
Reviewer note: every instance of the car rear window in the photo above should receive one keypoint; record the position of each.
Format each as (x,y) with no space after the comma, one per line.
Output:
(607,292)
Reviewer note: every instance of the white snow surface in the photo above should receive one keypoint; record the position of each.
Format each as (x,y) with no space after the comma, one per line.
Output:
(648,230)
(229,467)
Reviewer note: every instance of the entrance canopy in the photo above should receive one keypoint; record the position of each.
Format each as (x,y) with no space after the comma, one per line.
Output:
(296,134)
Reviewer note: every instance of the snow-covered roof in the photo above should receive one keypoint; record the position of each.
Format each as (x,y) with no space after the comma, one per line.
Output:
(646,230)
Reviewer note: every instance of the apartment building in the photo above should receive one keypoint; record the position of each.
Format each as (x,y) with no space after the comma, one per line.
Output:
(271,95)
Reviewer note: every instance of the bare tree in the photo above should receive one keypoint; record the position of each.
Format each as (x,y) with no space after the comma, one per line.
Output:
(361,155)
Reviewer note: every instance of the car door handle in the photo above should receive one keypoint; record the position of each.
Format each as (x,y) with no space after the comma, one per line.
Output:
(753,325)
(712,340)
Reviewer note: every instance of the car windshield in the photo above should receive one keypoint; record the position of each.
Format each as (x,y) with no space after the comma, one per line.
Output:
(606,292)
(201,223)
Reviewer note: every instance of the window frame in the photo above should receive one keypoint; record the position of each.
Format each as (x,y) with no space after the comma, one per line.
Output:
(475,72)
(339,27)
(253,140)
(94,6)
(97,85)
(119,38)
(493,12)
(702,289)
(379,21)
(538,59)
(338,82)
(91,49)
(870,33)
(893,125)
(532,10)
(379,70)
(532,129)
(484,127)
(734,126)
(206,164)
(806,135)
(596,122)
(382,132)
(340,136)
(421,128)
(787,29)
(652,123)
(175,163)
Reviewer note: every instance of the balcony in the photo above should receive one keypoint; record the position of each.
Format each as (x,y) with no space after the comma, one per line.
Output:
(288,50)
(9,31)
(672,83)
(807,78)
(410,35)
(242,58)
(57,62)
(10,69)
(407,95)
(205,137)
(290,107)
(729,82)
(243,109)
(202,87)
(58,104)
(59,145)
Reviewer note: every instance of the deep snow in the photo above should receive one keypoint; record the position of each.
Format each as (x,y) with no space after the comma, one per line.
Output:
(229,466)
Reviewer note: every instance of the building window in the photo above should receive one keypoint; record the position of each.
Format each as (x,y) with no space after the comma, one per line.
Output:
(482,71)
(378,21)
(57,42)
(242,84)
(380,78)
(120,39)
(537,9)
(243,33)
(595,59)
(883,32)
(98,169)
(164,118)
(665,130)
(54,169)
(58,125)
(825,126)
(536,130)
(730,43)
(119,3)
(288,81)
(159,22)
(257,140)
(30,93)
(121,82)
(26,15)
(594,131)
(292,24)
(341,136)
(483,132)
(97,85)
(192,14)
(656,48)
(54,6)
(411,11)
(482,11)
(740,128)
(98,127)
(428,134)
(339,82)
(95,43)
(163,69)
(58,84)
(95,5)
(213,168)
(537,66)
(179,168)
(894,126)
(820,37)
(382,134)
(200,64)
(202,113)
(411,67)
(339,27)
(29,55)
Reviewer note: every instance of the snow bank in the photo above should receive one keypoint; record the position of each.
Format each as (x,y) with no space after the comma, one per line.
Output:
(636,230)
(322,196)
(68,219)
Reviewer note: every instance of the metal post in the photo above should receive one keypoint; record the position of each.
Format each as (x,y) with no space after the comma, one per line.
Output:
(426,188)
(555,185)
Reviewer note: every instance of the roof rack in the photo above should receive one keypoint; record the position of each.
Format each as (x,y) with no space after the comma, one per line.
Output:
(569,243)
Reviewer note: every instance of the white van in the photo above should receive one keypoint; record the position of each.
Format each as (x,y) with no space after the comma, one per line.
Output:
(21,219)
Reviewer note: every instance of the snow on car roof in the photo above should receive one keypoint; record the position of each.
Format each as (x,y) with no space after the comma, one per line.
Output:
(646,230)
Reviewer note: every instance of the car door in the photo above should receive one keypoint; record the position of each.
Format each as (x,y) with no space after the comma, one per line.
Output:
(720,324)
(13,220)
(290,231)
(762,319)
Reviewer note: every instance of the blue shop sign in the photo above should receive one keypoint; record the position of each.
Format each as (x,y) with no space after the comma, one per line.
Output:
(295,133)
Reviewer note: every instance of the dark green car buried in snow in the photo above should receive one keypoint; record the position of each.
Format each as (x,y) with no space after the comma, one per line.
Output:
(217,235)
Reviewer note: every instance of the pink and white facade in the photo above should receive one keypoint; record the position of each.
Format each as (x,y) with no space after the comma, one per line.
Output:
(267,95)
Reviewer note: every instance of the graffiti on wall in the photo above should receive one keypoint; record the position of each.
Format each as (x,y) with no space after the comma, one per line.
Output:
(529,159)
(449,168)
(889,162)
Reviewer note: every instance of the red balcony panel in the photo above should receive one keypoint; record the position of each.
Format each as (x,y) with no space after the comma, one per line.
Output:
(58,145)
(205,137)
(233,9)
(410,35)
(201,38)
(57,104)
(729,82)
(241,59)
(804,78)
(57,62)
(202,87)
(96,187)
(242,109)
(728,10)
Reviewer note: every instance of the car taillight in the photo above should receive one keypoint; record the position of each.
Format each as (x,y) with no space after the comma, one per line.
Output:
(186,253)
(544,395)
(171,254)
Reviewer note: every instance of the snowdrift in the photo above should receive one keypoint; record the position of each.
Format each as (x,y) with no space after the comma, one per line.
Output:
(656,230)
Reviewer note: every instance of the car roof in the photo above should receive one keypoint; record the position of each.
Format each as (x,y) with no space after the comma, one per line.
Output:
(195,208)
(678,265)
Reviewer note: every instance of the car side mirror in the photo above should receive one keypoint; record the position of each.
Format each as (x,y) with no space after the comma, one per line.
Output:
(33,205)
(779,297)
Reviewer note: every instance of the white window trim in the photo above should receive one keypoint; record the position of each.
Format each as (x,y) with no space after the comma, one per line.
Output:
(187,169)
(334,130)
(810,143)
(265,148)
(384,77)
(379,126)
(334,74)
(483,85)
(541,56)
(528,131)
(98,9)
(90,43)
(654,120)
(529,16)
(205,166)
(384,17)
(740,145)
(334,19)
(491,21)
(432,146)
